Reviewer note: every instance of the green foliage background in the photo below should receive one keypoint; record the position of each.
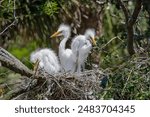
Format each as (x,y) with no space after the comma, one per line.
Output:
(37,20)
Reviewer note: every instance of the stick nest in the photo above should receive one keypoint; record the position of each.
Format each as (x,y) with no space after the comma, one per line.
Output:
(60,86)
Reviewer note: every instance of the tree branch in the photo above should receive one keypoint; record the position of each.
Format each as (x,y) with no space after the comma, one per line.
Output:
(130,21)
(15,19)
(9,61)
(8,27)
(135,12)
(130,24)
(124,9)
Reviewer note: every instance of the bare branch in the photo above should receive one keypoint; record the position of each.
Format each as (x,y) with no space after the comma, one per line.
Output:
(101,2)
(135,12)
(8,27)
(15,19)
(11,62)
(124,9)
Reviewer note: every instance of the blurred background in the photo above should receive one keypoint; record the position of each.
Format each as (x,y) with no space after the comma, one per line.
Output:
(26,25)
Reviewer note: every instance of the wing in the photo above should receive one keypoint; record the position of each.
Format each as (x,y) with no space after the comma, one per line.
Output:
(75,45)
(77,42)
(84,51)
(35,55)
(67,61)
(51,60)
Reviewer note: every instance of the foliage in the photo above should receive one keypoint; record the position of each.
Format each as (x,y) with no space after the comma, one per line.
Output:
(129,78)
(50,8)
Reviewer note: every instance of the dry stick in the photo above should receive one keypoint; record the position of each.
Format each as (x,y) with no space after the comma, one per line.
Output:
(15,65)
(9,61)
(8,27)
(36,66)
(126,81)
(110,41)
(59,86)
(14,93)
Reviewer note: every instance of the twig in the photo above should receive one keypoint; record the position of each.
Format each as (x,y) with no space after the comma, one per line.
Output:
(8,27)
(110,41)
(15,19)
(101,2)
(127,81)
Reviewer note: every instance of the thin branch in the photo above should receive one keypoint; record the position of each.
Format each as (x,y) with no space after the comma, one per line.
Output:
(135,12)
(101,2)
(15,19)
(124,9)
(110,41)
(8,27)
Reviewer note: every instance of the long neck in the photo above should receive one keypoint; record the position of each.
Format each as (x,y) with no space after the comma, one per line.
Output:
(62,45)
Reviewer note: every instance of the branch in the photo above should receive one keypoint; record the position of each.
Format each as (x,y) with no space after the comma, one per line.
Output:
(135,12)
(9,61)
(8,27)
(15,19)
(124,9)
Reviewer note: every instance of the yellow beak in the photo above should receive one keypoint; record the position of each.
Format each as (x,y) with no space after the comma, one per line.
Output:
(93,41)
(55,34)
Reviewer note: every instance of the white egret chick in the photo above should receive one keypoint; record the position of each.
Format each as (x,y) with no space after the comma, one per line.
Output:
(48,60)
(65,55)
(81,47)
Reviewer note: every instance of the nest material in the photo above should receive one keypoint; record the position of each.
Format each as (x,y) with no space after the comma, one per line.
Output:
(60,86)
(45,86)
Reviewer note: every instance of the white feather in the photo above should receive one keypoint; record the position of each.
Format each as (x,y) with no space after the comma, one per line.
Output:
(65,55)
(48,60)
(81,47)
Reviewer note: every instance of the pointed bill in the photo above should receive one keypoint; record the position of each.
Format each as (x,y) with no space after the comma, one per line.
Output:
(93,41)
(55,34)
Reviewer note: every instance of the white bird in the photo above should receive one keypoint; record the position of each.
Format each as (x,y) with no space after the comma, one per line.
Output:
(48,60)
(65,55)
(81,47)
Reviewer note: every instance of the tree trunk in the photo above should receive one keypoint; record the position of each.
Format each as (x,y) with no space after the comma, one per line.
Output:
(130,46)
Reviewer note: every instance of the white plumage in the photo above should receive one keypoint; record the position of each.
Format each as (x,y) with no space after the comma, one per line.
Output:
(81,47)
(65,55)
(48,60)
